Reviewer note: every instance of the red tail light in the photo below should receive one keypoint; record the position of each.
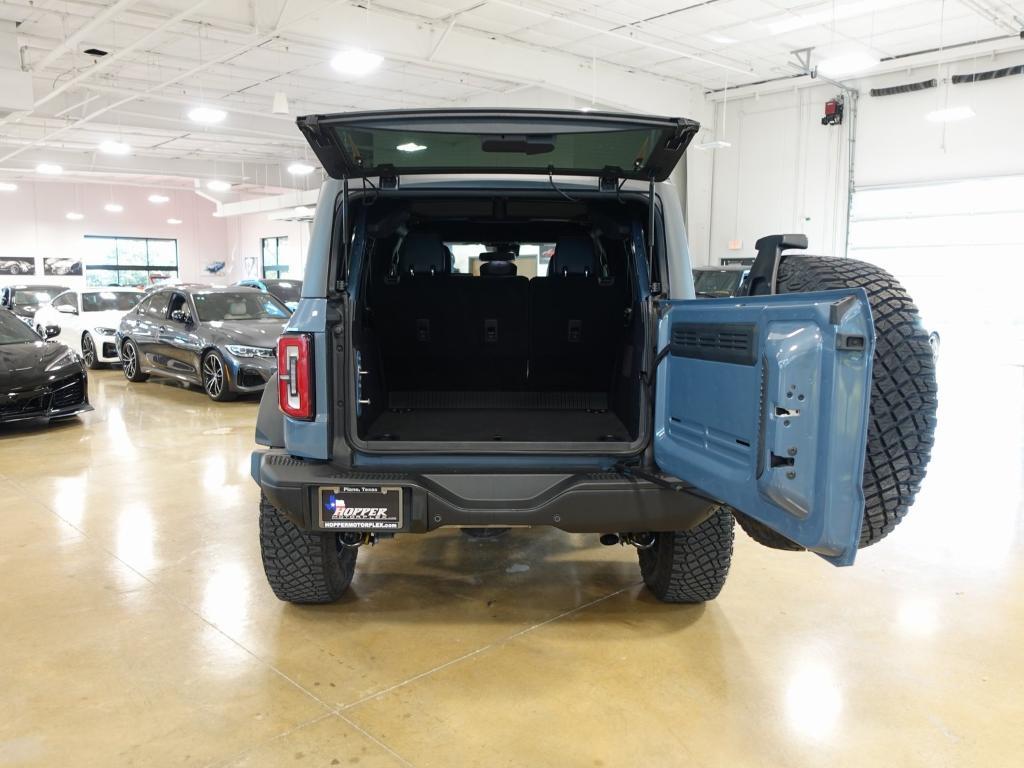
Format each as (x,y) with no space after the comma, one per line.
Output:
(295,375)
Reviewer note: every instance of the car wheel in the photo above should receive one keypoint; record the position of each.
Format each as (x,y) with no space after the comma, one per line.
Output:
(215,377)
(690,566)
(131,362)
(89,352)
(904,393)
(303,567)
(15,268)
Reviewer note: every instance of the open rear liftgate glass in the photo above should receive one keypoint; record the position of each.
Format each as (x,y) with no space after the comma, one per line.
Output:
(763,403)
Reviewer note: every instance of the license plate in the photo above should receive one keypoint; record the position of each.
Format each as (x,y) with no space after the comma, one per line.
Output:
(361,508)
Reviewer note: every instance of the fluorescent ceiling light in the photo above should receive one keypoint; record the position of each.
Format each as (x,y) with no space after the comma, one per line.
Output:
(115,148)
(717,144)
(113,207)
(847,64)
(158,199)
(206,115)
(356,62)
(302,210)
(721,39)
(73,216)
(411,146)
(49,169)
(791,22)
(949,115)
(300,169)
(218,186)
(174,221)
(6,186)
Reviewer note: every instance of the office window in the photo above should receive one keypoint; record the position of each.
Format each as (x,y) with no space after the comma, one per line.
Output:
(135,261)
(274,256)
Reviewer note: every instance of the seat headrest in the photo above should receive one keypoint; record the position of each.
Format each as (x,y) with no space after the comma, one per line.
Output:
(497,256)
(574,255)
(498,268)
(423,253)
(237,308)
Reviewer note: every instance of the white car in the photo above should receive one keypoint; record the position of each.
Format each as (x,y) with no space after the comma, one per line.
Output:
(88,320)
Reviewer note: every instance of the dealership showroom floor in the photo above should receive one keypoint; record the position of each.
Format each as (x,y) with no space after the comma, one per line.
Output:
(153,146)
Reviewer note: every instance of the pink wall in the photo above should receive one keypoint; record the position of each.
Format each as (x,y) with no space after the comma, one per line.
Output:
(32,224)
(244,235)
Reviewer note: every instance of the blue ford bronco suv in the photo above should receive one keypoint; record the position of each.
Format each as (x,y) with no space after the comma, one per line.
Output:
(498,328)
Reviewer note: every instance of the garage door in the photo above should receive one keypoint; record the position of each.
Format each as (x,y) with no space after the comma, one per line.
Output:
(958,247)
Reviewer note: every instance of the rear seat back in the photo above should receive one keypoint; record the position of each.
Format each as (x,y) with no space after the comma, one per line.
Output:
(574,321)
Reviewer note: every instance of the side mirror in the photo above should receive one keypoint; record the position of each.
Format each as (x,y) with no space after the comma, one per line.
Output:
(180,316)
(50,331)
(67,309)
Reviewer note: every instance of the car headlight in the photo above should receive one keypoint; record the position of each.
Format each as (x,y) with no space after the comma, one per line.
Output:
(105,331)
(70,357)
(241,351)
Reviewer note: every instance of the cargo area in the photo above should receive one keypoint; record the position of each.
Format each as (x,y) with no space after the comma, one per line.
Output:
(499,321)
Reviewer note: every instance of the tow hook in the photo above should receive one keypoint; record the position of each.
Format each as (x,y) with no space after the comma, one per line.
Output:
(355,539)
(644,540)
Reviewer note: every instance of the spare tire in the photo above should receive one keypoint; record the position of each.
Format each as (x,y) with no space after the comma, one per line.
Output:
(904,393)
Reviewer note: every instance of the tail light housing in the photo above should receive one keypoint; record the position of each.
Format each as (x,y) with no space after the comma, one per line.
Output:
(295,375)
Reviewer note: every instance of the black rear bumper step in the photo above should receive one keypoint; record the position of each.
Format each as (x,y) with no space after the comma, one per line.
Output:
(578,502)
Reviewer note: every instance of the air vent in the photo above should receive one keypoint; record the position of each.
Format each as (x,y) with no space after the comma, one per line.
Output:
(94,52)
(716,342)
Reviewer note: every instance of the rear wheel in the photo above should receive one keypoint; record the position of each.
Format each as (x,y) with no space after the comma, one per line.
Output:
(89,351)
(130,361)
(303,567)
(690,566)
(904,393)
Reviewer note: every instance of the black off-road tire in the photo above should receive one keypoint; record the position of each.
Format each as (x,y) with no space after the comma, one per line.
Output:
(904,393)
(303,567)
(690,566)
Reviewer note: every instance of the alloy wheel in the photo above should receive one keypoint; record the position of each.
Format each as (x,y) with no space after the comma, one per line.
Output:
(213,376)
(88,350)
(130,360)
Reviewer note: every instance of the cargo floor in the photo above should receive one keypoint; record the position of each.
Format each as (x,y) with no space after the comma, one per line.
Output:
(510,425)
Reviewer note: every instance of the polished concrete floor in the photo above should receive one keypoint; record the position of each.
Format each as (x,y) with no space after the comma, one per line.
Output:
(136,628)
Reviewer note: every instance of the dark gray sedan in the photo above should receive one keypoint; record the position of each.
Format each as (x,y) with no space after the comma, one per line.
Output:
(223,339)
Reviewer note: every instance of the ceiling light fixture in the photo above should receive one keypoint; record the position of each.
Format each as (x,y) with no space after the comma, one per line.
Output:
(207,115)
(356,62)
(847,64)
(113,207)
(158,199)
(302,210)
(949,115)
(411,146)
(720,39)
(218,186)
(6,186)
(49,169)
(73,216)
(300,169)
(174,221)
(280,106)
(115,148)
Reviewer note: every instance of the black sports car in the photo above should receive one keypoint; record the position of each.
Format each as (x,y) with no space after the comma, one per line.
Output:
(224,339)
(38,379)
(24,300)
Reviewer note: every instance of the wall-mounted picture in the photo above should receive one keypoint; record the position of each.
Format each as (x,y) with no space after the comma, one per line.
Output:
(62,267)
(17,265)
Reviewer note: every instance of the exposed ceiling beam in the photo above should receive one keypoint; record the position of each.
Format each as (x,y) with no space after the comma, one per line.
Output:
(78,35)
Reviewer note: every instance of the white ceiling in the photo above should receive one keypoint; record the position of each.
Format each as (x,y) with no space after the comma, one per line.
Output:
(166,56)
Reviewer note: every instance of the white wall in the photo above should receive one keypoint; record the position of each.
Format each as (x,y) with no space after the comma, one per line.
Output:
(785,172)
(244,236)
(32,224)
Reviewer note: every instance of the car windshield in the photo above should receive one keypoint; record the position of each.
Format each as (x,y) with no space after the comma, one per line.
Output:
(33,296)
(239,306)
(104,301)
(13,331)
(285,290)
(719,282)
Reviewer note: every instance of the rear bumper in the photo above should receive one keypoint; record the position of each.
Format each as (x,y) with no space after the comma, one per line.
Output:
(583,502)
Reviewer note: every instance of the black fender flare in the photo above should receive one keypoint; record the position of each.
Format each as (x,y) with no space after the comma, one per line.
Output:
(269,420)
